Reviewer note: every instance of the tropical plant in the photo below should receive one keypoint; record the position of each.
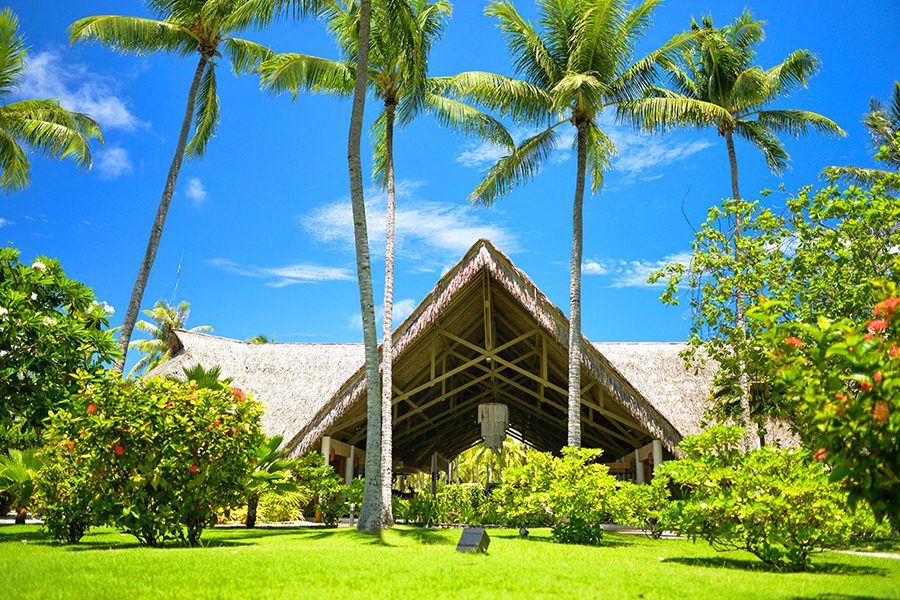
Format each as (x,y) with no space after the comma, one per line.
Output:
(269,476)
(884,127)
(402,34)
(166,319)
(261,339)
(842,378)
(17,471)
(185,28)
(642,506)
(64,490)
(775,503)
(816,257)
(578,64)
(716,84)
(479,459)
(162,456)
(50,327)
(210,379)
(40,125)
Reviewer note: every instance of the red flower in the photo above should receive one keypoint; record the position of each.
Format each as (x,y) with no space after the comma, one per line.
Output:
(70,445)
(22,511)
(881,413)
(92,408)
(876,325)
(193,468)
(870,337)
(894,351)
(232,432)
(877,376)
(821,454)
(886,307)
(191,398)
(793,341)
(866,386)
(841,396)
(170,404)
(208,427)
(238,394)
(119,450)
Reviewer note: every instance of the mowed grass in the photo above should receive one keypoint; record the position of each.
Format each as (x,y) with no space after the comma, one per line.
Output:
(408,562)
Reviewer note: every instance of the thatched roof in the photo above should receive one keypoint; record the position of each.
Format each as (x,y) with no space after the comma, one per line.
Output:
(292,381)
(633,392)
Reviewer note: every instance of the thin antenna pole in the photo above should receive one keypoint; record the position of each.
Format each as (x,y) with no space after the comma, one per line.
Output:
(177,278)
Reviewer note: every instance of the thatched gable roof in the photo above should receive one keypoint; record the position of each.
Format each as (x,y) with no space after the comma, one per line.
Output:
(292,381)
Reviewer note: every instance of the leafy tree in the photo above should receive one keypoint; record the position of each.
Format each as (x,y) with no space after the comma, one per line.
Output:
(716,84)
(578,64)
(884,127)
(161,456)
(817,257)
(401,37)
(17,471)
(41,125)
(201,28)
(166,319)
(50,327)
(842,378)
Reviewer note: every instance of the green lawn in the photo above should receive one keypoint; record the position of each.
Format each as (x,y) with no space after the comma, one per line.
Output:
(408,562)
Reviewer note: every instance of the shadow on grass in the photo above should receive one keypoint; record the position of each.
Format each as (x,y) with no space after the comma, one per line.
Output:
(425,535)
(607,541)
(818,568)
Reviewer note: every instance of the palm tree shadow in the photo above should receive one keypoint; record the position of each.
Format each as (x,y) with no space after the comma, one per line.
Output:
(818,568)
(424,535)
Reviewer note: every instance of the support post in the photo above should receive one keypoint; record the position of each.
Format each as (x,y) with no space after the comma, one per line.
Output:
(657,454)
(326,448)
(350,465)
(456,469)
(638,468)
(434,469)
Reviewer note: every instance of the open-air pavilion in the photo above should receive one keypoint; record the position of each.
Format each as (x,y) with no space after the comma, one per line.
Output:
(484,335)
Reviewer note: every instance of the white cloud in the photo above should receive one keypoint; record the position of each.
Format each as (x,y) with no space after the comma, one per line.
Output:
(640,155)
(284,276)
(631,273)
(77,89)
(401,310)
(114,162)
(427,233)
(196,193)
(5,223)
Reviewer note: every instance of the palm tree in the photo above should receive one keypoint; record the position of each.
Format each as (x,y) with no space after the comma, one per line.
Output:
(184,28)
(717,85)
(269,475)
(402,34)
(166,319)
(41,125)
(884,127)
(261,339)
(575,66)
(210,379)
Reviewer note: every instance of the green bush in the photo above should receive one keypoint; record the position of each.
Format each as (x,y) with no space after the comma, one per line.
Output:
(329,492)
(161,456)
(277,507)
(642,506)
(777,504)
(571,493)
(63,494)
(468,504)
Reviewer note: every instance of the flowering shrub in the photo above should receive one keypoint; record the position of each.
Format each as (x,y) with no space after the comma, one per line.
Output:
(160,456)
(571,493)
(843,381)
(50,326)
(64,490)
(777,504)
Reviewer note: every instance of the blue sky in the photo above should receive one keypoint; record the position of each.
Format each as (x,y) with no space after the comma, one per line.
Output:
(263,220)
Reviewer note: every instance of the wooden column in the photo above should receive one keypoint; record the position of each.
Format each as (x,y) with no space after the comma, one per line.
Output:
(638,468)
(434,469)
(350,465)
(326,448)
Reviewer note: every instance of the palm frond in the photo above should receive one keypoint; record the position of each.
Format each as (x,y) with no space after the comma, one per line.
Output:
(51,130)
(798,123)
(295,72)
(760,136)
(206,116)
(793,72)
(378,135)
(134,35)
(261,14)
(508,97)
(12,53)
(462,118)
(245,56)
(671,111)
(15,169)
(529,54)
(600,150)
(863,177)
(521,165)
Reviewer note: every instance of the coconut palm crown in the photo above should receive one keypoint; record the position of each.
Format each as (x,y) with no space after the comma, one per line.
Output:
(165,319)
(41,125)
(716,84)
(575,64)
(199,28)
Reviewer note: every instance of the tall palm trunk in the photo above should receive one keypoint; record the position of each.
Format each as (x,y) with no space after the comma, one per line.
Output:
(387,345)
(751,437)
(371,515)
(140,285)
(574,437)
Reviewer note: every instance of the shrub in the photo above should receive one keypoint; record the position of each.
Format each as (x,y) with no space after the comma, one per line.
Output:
(331,495)
(570,493)
(63,494)
(467,504)
(642,506)
(161,456)
(282,506)
(777,504)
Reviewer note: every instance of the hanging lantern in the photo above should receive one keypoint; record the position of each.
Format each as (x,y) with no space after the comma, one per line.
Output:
(494,419)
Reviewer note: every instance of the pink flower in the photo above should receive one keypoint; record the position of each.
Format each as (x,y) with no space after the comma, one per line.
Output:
(870,337)
(22,511)
(793,341)
(119,450)
(193,468)
(92,408)
(876,325)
